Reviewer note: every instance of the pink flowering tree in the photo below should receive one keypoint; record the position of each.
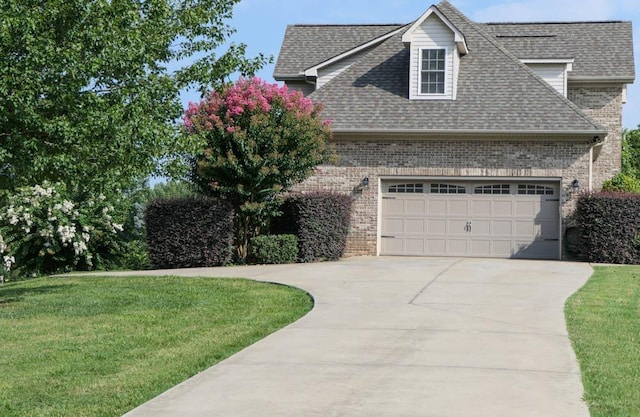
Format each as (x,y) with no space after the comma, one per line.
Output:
(261,139)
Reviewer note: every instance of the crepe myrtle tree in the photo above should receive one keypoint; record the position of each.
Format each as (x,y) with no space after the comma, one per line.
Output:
(261,139)
(90,89)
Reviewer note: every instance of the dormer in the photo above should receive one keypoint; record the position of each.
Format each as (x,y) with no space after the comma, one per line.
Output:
(436,46)
(553,71)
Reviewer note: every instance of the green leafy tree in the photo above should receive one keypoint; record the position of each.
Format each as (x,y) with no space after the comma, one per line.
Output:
(89,89)
(261,139)
(631,152)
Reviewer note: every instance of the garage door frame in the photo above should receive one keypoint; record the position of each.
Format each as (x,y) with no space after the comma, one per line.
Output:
(469,179)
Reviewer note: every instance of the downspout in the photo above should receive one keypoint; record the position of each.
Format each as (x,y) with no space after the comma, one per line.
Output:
(591,169)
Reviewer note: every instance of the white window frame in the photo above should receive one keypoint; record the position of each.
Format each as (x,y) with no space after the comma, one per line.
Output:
(420,71)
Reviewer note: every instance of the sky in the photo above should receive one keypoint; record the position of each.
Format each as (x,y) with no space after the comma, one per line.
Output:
(261,23)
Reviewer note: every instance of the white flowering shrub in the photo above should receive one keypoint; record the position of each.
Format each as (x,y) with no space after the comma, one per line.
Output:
(44,230)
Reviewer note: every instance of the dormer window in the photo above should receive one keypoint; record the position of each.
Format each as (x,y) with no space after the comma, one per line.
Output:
(436,47)
(432,73)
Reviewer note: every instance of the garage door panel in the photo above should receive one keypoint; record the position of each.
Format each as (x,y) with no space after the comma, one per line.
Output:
(414,226)
(458,247)
(392,226)
(548,229)
(436,207)
(503,208)
(527,208)
(392,246)
(481,208)
(458,208)
(414,246)
(548,210)
(437,246)
(480,247)
(481,227)
(414,207)
(454,219)
(525,228)
(437,226)
(502,248)
(502,227)
(457,227)
(392,206)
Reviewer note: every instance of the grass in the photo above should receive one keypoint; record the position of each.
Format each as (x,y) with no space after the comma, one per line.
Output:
(102,346)
(604,326)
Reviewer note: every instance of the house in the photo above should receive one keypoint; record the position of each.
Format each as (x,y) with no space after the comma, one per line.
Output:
(459,138)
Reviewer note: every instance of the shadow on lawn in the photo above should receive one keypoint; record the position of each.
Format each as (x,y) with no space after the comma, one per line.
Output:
(11,295)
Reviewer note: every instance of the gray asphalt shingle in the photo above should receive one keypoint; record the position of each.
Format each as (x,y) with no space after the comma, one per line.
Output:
(495,91)
(307,45)
(598,48)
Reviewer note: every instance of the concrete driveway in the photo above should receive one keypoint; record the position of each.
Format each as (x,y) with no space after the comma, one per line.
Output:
(428,337)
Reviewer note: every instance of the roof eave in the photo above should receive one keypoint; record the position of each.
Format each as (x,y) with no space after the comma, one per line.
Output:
(591,134)
(612,79)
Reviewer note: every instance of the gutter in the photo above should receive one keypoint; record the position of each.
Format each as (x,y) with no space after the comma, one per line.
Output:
(450,132)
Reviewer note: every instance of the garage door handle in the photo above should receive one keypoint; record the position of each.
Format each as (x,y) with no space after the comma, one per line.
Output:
(467,228)
(388,237)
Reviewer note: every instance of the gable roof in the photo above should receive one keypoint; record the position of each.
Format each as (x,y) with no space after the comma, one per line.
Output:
(600,50)
(305,46)
(496,93)
(458,36)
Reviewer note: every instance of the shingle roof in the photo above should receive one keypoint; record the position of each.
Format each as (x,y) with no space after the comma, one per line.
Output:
(600,49)
(495,92)
(307,45)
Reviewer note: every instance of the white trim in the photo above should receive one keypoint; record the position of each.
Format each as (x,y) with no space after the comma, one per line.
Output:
(568,61)
(460,41)
(313,71)
(601,79)
(379,226)
(433,96)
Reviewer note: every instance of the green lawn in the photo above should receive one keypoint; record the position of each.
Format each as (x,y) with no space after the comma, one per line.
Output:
(101,346)
(604,326)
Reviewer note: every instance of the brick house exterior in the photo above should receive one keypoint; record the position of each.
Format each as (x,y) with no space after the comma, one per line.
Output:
(463,139)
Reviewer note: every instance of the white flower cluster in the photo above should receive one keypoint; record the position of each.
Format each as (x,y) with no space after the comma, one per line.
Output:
(7,261)
(41,216)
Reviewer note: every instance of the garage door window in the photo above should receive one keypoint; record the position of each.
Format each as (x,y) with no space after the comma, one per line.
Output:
(529,189)
(493,189)
(407,188)
(447,189)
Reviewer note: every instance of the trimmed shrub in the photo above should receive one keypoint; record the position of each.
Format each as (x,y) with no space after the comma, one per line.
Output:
(610,227)
(622,183)
(189,232)
(321,222)
(273,249)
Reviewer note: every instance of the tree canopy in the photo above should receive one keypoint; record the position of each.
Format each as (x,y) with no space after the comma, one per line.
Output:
(261,139)
(631,152)
(89,89)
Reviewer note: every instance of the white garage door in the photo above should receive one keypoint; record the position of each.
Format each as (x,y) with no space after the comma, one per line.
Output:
(483,219)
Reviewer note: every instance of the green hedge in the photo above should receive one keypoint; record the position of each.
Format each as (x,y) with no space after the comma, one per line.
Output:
(189,232)
(622,183)
(321,222)
(273,249)
(609,225)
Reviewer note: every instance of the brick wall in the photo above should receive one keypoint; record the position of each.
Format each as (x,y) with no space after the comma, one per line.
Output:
(398,157)
(604,105)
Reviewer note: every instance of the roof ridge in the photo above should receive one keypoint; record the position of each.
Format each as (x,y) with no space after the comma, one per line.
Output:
(571,22)
(475,26)
(345,24)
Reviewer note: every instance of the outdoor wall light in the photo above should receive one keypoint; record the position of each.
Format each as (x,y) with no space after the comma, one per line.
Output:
(365,182)
(575,185)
